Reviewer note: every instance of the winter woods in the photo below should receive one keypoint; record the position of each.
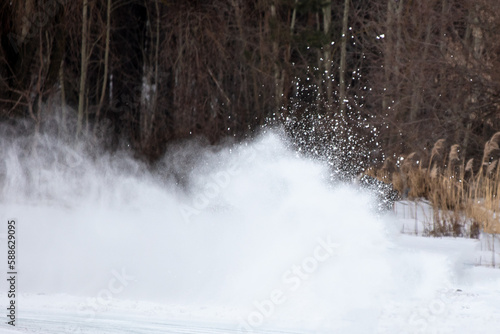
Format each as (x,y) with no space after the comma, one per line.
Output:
(153,71)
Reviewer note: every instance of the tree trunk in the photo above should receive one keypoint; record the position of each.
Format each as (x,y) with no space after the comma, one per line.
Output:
(397,48)
(106,63)
(327,53)
(477,50)
(83,68)
(275,52)
(154,105)
(63,91)
(343,60)
(418,86)
(388,53)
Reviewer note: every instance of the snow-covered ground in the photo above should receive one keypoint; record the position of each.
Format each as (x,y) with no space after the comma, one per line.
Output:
(255,240)
(416,218)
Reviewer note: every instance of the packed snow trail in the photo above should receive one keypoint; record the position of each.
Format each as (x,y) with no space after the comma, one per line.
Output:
(247,238)
(59,322)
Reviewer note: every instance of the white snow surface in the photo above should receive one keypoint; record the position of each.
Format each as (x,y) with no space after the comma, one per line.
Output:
(256,240)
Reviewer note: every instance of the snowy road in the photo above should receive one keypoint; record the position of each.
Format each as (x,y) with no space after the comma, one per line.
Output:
(470,303)
(64,323)
(473,310)
(56,323)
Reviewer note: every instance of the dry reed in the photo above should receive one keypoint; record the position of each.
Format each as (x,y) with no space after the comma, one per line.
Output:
(464,201)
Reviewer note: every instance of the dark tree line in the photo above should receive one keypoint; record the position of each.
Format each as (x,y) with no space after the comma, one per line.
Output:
(153,71)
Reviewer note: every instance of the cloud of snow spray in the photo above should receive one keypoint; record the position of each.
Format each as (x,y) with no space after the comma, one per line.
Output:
(253,228)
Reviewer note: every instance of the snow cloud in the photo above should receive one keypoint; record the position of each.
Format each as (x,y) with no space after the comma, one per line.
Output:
(209,227)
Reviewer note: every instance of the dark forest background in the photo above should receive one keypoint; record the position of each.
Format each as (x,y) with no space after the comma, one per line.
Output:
(156,71)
